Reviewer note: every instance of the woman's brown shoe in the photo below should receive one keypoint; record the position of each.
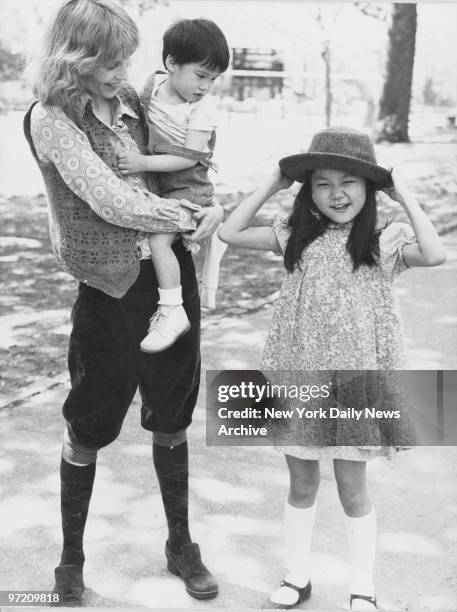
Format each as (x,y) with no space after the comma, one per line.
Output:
(69,586)
(198,580)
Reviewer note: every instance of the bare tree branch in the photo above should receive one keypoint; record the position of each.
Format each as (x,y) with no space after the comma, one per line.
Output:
(371,9)
(144,5)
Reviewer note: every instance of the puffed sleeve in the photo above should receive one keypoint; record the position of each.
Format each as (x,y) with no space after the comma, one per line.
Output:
(391,242)
(282,232)
(59,141)
(203,116)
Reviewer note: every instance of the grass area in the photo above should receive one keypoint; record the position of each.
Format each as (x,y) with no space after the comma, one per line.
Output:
(32,283)
(37,297)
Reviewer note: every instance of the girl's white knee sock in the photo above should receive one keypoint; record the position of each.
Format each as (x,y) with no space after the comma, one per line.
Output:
(362,547)
(299,523)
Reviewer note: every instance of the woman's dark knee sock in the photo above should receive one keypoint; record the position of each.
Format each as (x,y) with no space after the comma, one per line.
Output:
(172,468)
(76,490)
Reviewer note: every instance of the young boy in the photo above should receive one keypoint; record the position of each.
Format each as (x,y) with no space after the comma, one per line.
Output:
(182,122)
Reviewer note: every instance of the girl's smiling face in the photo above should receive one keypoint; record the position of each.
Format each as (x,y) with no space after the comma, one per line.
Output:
(338,195)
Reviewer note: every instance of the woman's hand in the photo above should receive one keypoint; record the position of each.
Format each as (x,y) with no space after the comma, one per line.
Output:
(399,191)
(208,220)
(130,163)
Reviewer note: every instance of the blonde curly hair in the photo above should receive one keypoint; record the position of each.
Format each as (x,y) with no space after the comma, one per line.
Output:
(84,35)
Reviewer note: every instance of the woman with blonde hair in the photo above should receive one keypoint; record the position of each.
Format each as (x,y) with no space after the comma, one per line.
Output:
(86,114)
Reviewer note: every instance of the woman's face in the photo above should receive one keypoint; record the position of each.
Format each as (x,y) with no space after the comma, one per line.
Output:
(338,195)
(105,81)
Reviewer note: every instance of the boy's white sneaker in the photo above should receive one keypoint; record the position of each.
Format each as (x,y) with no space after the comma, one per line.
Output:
(166,325)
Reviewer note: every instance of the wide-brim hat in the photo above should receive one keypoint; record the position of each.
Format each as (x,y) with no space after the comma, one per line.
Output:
(338,148)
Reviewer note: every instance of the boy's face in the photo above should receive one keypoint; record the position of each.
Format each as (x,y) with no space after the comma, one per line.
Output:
(191,81)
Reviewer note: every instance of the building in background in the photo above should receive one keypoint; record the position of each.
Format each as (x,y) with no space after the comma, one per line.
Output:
(251,73)
(288,36)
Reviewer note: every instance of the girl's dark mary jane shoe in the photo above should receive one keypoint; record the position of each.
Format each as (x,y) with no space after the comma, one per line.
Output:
(304,593)
(371,600)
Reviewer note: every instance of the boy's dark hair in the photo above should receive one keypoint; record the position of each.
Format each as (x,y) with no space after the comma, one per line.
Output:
(307,224)
(196,40)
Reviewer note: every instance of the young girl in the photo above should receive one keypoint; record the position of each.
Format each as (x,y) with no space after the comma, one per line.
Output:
(336,310)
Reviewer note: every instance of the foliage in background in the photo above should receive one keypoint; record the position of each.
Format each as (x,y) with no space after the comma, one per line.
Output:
(11,64)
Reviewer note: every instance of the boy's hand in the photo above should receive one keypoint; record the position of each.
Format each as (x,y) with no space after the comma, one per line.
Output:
(130,163)
(399,191)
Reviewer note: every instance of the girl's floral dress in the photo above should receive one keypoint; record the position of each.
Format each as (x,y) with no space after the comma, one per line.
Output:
(328,317)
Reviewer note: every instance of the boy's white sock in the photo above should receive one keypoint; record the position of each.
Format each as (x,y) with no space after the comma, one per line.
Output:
(362,547)
(170,297)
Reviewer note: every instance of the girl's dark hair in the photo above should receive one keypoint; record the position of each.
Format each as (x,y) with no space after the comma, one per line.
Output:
(307,224)
(196,40)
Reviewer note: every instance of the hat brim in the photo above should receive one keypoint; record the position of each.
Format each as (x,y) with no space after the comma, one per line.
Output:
(295,167)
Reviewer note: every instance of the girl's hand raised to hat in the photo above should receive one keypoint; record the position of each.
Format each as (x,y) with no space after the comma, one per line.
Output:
(428,249)
(237,229)
(399,190)
(279,180)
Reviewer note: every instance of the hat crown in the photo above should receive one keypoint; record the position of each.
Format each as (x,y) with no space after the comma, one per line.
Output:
(344,141)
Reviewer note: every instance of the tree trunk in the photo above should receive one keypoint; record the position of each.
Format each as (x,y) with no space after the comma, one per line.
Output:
(326,56)
(396,95)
